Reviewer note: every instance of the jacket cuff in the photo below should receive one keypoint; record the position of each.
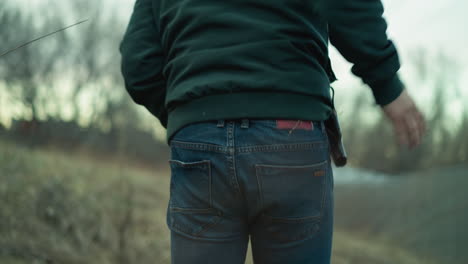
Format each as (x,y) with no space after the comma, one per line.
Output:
(387,91)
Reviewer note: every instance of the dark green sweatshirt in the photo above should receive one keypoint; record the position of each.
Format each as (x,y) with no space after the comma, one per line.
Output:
(188,61)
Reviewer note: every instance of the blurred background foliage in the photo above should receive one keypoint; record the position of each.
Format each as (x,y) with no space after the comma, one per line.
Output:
(78,158)
(67,91)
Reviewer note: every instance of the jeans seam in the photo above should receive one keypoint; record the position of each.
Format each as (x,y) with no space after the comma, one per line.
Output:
(231,155)
(260,188)
(198,146)
(207,226)
(206,238)
(318,145)
(192,210)
(187,229)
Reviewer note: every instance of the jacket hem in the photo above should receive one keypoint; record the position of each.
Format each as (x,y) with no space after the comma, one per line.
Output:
(254,105)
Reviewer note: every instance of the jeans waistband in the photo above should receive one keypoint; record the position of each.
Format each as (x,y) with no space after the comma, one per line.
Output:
(294,123)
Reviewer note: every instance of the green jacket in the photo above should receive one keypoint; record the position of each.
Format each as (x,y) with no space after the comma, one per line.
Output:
(188,61)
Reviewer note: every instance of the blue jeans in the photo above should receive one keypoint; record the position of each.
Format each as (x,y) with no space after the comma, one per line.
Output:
(231,179)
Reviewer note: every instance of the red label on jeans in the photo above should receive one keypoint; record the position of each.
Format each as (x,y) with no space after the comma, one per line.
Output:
(296,124)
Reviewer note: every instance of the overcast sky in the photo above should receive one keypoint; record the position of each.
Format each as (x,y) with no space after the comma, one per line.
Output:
(435,26)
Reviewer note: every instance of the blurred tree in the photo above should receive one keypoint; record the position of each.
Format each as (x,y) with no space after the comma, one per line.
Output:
(32,68)
(75,72)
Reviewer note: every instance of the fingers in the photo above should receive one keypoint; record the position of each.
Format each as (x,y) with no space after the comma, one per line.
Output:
(421,122)
(401,132)
(410,128)
(413,131)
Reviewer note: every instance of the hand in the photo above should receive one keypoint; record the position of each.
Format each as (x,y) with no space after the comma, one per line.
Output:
(408,122)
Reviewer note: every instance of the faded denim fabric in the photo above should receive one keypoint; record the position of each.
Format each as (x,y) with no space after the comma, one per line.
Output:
(257,178)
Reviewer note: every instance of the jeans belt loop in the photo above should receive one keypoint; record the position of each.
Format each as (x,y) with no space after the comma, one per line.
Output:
(245,123)
(220,123)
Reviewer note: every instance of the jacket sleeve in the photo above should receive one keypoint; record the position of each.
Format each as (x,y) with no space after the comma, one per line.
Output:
(143,60)
(358,30)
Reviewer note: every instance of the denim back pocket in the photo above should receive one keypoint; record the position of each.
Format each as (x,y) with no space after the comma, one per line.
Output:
(190,209)
(292,198)
(292,193)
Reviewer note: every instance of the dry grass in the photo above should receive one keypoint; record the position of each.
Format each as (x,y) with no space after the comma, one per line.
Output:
(57,209)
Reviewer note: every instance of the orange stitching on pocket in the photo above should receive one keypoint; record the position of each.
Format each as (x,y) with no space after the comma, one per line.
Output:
(319,173)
